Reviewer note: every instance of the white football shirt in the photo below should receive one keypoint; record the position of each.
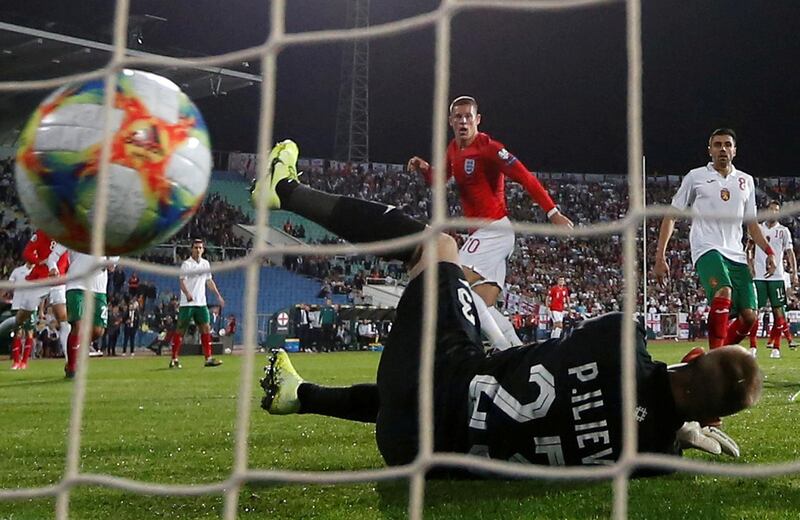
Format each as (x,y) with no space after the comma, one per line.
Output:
(81,264)
(17,276)
(711,195)
(195,281)
(780,240)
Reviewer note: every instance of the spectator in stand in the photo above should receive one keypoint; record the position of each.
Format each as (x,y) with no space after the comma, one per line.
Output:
(111,336)
(132,321)
(133,285)
(117,282)
(230,327)
(327,319)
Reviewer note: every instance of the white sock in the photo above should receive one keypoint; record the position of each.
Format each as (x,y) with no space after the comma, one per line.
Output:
(489,327)
(64,328)
(555,333)
(505,326)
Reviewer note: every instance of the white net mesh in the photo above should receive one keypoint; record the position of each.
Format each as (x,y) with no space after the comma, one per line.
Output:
(242,473)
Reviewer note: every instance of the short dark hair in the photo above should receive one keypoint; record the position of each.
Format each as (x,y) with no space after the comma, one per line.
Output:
(774,202)
(723,131)
(198,241)
(463,100)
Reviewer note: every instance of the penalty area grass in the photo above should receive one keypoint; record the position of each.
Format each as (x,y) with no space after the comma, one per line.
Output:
(145,422)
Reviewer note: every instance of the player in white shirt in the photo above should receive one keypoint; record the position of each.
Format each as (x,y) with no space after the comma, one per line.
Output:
(719,190)
(194,278)
(96,281)
(22,300)
(772,287)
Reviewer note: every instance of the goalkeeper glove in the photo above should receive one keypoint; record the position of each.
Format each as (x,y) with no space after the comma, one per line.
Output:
(708,438)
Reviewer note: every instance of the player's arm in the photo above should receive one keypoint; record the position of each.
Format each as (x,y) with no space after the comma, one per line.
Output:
(55,255)
(790,256)
(516,171)
(750,251)
(420,165)
(661,269)
(758,237)
(682,199)
(755,230)
(213,286)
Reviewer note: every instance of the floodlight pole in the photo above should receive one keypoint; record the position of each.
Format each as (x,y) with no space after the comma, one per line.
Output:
(644,239)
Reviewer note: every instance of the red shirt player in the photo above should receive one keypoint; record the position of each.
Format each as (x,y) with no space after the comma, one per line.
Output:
(557,300)
(479,165)
(36,252)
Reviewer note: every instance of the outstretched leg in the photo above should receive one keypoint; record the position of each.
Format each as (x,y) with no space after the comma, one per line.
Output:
(287,393)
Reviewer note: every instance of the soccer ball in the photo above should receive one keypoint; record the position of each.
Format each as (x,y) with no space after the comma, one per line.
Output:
(159,170)
(222,332)
(228,350)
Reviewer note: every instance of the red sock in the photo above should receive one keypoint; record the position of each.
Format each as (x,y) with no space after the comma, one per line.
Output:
(753,333)
(26,354)
(787,331)
(718,321)
(16,349)
(736,332)
(177,341)
(72,349)
(775,335)
(780,326)
(205,339)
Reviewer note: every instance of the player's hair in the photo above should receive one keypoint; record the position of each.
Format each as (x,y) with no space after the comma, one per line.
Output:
(463,100)
(774,202)
(720,383)
(723,131)
(198,241)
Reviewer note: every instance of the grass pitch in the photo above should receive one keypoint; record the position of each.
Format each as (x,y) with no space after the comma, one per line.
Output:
(145,422)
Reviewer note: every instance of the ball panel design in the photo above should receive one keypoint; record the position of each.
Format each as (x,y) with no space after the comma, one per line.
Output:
(159,171)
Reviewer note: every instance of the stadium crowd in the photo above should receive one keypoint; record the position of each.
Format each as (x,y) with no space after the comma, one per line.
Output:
(592,266)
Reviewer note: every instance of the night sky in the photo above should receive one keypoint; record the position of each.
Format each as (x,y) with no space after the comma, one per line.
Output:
(552,86)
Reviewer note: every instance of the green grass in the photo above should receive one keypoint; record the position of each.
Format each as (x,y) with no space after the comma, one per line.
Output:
(145,422)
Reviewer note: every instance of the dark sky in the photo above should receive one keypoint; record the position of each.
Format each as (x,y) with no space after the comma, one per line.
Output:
(552,86)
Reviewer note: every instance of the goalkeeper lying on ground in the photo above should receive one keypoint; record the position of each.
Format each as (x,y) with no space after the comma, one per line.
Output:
(555,403)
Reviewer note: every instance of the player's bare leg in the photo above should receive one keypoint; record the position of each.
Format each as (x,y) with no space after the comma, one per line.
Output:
(489,292)
(64,327)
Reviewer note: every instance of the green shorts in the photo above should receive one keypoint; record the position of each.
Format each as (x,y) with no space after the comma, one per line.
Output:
(716,271)
(198,313)
(772,291)
(30,323)
(75,307)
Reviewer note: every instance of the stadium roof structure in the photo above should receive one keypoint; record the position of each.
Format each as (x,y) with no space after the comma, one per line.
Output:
(28,53)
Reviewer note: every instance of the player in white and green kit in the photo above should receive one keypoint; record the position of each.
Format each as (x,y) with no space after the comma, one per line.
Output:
(194,278)
(81,263)
(718,189)
(772,287)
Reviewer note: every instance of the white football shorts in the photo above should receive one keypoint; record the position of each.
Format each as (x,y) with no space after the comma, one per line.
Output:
(558,316)
(487,250)
(29,298)
(58,294)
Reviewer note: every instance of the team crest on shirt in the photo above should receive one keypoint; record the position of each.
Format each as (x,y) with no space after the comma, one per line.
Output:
(469,166)
(724,194)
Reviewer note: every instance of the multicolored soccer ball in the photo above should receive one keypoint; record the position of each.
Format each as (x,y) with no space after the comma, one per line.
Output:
(159,169)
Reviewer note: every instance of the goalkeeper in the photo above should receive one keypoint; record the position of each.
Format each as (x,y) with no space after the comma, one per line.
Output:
(556,403)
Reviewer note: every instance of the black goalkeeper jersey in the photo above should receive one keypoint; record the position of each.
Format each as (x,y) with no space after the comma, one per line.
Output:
(560,403)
